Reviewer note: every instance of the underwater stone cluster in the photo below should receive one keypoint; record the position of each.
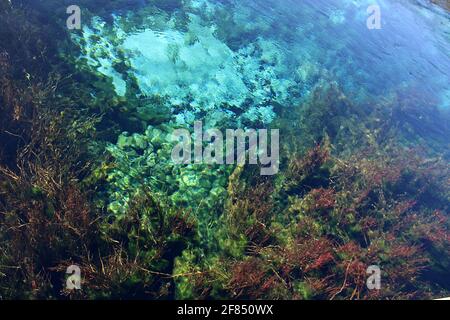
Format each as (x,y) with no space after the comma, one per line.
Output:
(170,68)
(143,161)
(180,71)
(150,229)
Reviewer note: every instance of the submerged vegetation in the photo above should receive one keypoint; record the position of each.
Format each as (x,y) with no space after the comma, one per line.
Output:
(86,177)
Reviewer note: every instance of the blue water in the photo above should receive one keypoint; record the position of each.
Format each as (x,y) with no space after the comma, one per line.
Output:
(411,50)
(409,56)
(236,63)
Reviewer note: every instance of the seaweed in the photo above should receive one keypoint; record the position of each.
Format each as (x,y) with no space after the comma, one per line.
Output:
(321,243)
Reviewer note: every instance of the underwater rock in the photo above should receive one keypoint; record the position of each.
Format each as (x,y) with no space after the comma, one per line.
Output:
(263,115)
(144,161)
(139,141)
(124,141)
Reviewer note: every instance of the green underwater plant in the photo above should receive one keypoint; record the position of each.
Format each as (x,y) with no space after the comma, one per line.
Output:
(319,244)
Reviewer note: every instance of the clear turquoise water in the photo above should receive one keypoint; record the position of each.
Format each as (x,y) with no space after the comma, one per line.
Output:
(411,50)
(319,39)
(236,63)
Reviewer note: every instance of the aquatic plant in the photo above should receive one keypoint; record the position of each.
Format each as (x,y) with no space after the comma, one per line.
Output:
(320,244)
